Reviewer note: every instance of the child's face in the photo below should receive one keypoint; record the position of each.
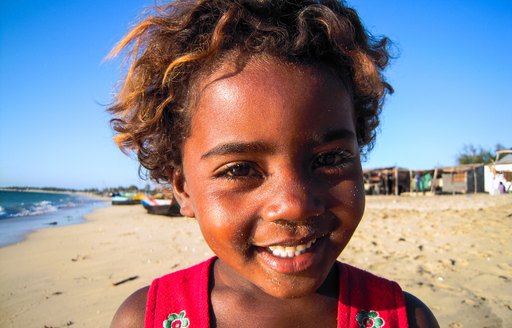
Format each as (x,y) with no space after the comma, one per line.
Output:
(273,162)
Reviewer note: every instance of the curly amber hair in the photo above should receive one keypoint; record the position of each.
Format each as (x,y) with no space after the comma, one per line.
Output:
(175,44)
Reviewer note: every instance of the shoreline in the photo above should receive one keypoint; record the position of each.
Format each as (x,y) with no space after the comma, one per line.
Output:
(451,252)
(14,230)
(67,274)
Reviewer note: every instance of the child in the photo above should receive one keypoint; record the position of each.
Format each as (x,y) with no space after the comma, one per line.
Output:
(256,112)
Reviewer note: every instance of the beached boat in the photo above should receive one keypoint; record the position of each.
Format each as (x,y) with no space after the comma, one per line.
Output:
(167,207)
(127,199)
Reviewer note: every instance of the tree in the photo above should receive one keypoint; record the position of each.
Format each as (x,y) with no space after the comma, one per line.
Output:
(133,188)
(471,154)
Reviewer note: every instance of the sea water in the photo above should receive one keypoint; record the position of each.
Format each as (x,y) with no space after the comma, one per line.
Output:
(22,212)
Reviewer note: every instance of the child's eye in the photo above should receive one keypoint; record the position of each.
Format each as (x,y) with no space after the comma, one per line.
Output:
(332,159)
(237,171)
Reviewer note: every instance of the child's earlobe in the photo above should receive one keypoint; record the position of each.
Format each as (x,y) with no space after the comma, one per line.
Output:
(181,194)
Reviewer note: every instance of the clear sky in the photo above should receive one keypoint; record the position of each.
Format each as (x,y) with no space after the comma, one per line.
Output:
(452,78)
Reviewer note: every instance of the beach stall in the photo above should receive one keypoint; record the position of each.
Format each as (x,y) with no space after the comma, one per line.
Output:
(499,172)
(463,179)
(423,181)
(386,181)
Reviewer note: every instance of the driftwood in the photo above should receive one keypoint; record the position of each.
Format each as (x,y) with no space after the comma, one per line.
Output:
(125,280)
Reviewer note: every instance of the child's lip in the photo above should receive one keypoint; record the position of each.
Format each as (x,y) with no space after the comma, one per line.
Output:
(305,260)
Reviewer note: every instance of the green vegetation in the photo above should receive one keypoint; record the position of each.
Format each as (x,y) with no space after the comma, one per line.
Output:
(471,154)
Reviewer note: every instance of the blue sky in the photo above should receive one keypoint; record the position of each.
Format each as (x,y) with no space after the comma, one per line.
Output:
(452,80)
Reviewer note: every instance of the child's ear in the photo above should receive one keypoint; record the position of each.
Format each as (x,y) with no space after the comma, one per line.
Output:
(179,188)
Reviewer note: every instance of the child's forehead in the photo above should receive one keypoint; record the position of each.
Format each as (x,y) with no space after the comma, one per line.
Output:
(263,88)
(264,70)
(265,81)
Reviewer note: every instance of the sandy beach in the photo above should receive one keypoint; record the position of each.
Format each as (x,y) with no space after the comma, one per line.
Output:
(453,252)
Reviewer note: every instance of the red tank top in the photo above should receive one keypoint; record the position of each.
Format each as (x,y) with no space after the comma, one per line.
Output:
(180,299)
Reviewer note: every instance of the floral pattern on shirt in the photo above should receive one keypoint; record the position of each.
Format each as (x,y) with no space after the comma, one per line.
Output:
(176,320)
(369,319)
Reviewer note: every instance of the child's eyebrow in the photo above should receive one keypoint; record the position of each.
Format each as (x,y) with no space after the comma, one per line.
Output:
(339,134)
(262,147)
(239,148)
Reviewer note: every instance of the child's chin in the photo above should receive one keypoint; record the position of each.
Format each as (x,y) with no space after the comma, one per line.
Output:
(291,288)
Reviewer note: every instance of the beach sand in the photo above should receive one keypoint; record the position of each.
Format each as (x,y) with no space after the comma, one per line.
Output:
(453,252)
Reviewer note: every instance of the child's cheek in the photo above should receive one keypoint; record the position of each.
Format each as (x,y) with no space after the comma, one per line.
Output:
(349,192)
(227,219)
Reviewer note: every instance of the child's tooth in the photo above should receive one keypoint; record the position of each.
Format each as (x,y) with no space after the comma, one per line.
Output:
(290,251)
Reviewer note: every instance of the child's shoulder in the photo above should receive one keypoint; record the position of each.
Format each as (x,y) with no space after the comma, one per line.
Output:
(133,310)
(418,314)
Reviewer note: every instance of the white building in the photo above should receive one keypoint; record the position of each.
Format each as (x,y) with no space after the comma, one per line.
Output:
(499,171)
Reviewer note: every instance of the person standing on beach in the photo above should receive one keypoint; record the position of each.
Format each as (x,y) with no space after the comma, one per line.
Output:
(501,188)
(390,184)
(256,113)
(417,178)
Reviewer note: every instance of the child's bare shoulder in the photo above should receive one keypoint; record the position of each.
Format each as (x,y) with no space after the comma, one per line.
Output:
(418,314)
(131,313)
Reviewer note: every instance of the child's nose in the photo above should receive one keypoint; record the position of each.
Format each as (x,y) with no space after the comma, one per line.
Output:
(292,198)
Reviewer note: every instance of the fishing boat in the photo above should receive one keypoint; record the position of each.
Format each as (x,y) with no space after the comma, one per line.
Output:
(167,207)
(127,198)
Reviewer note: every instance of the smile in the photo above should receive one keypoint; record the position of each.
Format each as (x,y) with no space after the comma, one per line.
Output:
(291,251)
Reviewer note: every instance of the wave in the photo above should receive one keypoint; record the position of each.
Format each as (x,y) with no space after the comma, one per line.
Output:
(37,208)
(67,205)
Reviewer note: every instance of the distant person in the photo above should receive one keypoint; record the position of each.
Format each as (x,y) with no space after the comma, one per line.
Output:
(501,188)
(382,184)
(256,112)
(417,178)
(390,181)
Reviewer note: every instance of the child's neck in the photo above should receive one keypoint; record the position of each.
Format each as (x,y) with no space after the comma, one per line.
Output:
(242,304)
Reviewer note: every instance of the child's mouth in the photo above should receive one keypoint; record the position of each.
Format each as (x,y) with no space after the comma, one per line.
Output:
(290,251)
(290,257)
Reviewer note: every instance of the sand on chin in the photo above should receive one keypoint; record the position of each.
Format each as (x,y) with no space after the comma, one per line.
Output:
(453,252)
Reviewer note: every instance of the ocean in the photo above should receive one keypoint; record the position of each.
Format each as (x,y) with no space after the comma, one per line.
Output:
(22,212)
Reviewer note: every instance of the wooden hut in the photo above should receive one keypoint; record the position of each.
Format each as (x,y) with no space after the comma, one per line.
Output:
(462,179)
(386,181)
